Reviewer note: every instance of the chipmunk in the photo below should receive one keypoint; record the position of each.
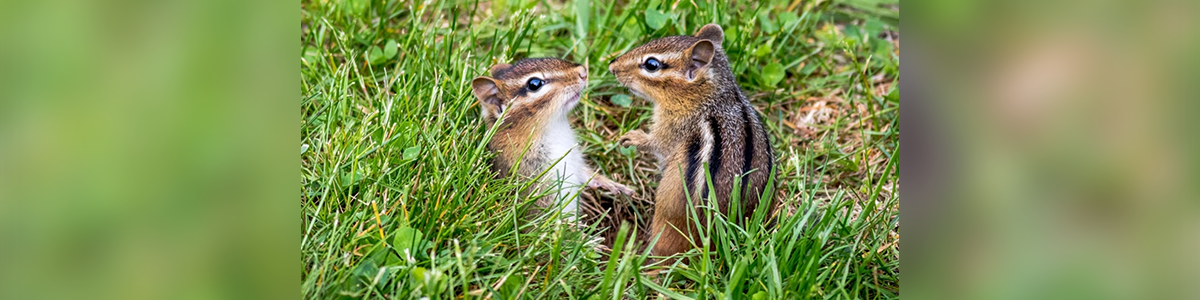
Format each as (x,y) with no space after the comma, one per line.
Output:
(531,99)
(700,117)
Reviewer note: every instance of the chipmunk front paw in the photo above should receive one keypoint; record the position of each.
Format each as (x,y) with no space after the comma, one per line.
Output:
(618,188)
(603,183)
(634,138)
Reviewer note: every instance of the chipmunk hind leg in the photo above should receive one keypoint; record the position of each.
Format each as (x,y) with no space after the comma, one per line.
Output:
(670,219)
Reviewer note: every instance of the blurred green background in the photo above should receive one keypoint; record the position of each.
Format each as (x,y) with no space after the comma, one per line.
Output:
(141,149)
(1050,149)
(1055,154)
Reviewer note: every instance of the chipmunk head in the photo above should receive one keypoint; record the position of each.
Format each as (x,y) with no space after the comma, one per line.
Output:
(537,88)
(674,67)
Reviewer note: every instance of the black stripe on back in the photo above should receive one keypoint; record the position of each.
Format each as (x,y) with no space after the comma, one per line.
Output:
(693,157)
(747,150)
(714,158)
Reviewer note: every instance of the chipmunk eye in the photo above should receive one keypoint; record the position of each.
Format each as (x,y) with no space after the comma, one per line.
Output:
(652,64)
(535,84)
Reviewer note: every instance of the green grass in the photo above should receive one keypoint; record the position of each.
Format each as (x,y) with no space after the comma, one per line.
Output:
(398,200)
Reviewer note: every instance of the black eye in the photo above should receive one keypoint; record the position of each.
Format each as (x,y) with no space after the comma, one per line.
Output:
(652,64)
(535,84)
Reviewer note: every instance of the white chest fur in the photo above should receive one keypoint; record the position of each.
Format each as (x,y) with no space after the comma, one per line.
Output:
(559,142)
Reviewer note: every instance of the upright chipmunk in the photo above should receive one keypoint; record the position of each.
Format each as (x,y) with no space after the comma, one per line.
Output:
(700,117)
(531,99)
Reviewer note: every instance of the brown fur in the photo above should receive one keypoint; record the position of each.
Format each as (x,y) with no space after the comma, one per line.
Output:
(525,120)
(700,116)
(526,117)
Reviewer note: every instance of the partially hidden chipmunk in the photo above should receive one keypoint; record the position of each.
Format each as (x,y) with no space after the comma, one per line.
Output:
(700,117)
(531,99)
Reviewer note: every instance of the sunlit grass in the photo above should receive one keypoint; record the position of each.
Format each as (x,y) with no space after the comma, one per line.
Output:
(398,200)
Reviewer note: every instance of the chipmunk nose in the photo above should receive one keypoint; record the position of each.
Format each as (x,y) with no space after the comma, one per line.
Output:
(583,74)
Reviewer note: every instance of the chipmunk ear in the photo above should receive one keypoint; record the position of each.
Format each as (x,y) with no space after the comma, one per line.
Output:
(487,91)
(712,32)
(702,54)
(497,68)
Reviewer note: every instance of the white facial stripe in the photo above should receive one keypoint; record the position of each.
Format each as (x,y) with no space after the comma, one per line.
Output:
(650,74)
(663,57)
(555,74)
